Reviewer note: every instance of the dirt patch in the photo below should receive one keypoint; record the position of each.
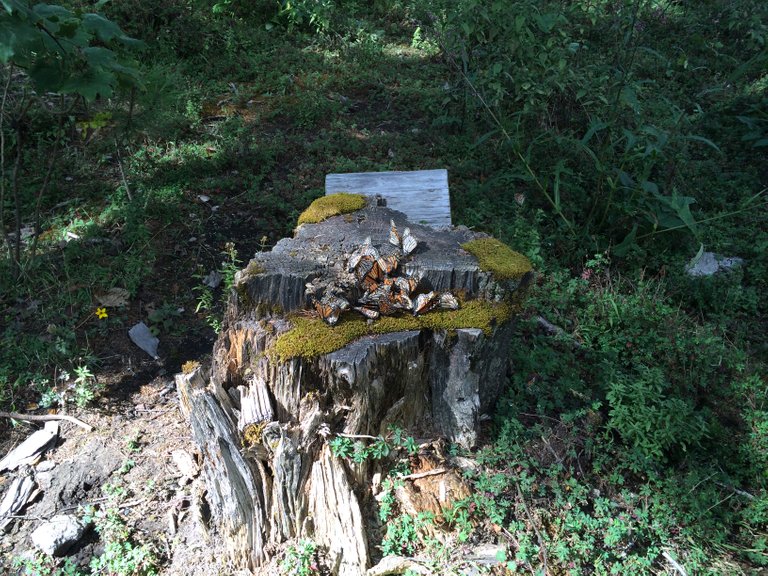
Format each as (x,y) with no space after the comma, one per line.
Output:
(124,463)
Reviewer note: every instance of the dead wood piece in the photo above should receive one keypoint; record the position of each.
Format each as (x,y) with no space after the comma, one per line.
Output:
(338,521)
(434,472)
(46,418)
(31,448)
(674,563)
(397,565)
(20,492)
(263,416)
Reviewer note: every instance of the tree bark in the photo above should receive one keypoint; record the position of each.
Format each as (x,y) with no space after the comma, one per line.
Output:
(262,423)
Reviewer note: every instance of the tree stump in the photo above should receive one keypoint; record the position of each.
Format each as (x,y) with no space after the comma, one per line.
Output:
(281,382)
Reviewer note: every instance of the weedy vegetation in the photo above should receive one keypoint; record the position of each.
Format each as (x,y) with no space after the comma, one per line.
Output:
(606,141)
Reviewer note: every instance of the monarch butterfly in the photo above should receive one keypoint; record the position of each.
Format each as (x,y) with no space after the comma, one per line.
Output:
(402,301)
(387,263)
(330,308)
(366,251)
(363,267)
(406,284)
(394,235)
(328,312)
(425,302)
(377,292)
(407,243)
(386,305)
(368,312)
(448,301)
(374,276)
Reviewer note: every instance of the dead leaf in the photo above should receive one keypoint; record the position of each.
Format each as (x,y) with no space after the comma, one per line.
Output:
(114,297)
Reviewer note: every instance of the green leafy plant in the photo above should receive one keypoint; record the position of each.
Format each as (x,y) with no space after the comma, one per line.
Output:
(206,301)
(124,554)
(69,53)
(42,565)
(405,534)
(300,559)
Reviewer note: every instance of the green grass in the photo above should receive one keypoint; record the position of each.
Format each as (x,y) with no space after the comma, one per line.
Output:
(604,141)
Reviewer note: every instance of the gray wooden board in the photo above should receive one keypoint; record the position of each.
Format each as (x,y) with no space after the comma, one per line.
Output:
(421,194)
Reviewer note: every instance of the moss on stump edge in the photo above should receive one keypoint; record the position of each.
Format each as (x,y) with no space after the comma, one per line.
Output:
(496,257)
(312,337)
(332,205)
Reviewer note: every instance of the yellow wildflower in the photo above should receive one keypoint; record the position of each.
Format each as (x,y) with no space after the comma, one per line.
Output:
(101,313)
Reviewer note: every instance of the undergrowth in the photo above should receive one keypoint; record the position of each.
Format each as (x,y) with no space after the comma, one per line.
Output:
(634,430)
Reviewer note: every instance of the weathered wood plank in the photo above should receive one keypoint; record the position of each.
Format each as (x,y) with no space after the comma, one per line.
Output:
(421,194)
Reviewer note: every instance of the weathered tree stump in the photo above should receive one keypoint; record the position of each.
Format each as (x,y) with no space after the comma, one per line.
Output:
(282,382)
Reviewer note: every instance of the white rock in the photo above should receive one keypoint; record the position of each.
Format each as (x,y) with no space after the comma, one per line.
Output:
(45,466)
(709,264)
(185,463)
(58,534)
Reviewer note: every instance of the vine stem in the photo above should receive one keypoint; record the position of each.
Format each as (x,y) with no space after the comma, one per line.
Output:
(2,164)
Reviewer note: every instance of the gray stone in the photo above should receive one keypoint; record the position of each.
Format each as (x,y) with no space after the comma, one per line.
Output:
(57,535)
(141,335)
(709,264)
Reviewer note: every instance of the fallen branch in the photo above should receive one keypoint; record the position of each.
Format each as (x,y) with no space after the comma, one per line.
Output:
(418,475)
(45,418)
(678,568)
(398,565)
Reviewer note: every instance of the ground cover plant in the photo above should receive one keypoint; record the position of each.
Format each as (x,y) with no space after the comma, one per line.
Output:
(146,145)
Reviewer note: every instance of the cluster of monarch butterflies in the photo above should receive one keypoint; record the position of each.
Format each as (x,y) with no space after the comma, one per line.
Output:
(383,292)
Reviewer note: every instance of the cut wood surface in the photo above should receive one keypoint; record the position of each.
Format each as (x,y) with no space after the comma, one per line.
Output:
(422,195)
(263,422)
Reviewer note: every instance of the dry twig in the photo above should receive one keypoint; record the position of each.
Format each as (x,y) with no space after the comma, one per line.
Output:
(46,418)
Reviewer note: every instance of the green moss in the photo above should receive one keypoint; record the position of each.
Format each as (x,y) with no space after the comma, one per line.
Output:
(252,434)
(189,366)
(313,337)
(498,258)
(332,205)
(253,269)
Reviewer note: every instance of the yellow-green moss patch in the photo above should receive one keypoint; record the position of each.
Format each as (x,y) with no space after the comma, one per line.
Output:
(189,366)
(331,205)
(312,337)
(498,258)
(253,268)
(252,434)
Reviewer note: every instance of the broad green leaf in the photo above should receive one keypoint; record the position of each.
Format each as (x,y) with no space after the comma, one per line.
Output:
(105,30)
(48,75)
(703,140)
(625,245)
(594,127)
(97,56)
(20,8)
(651,187)
(626,179)
(629,97)
(94,83)
(546,22)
